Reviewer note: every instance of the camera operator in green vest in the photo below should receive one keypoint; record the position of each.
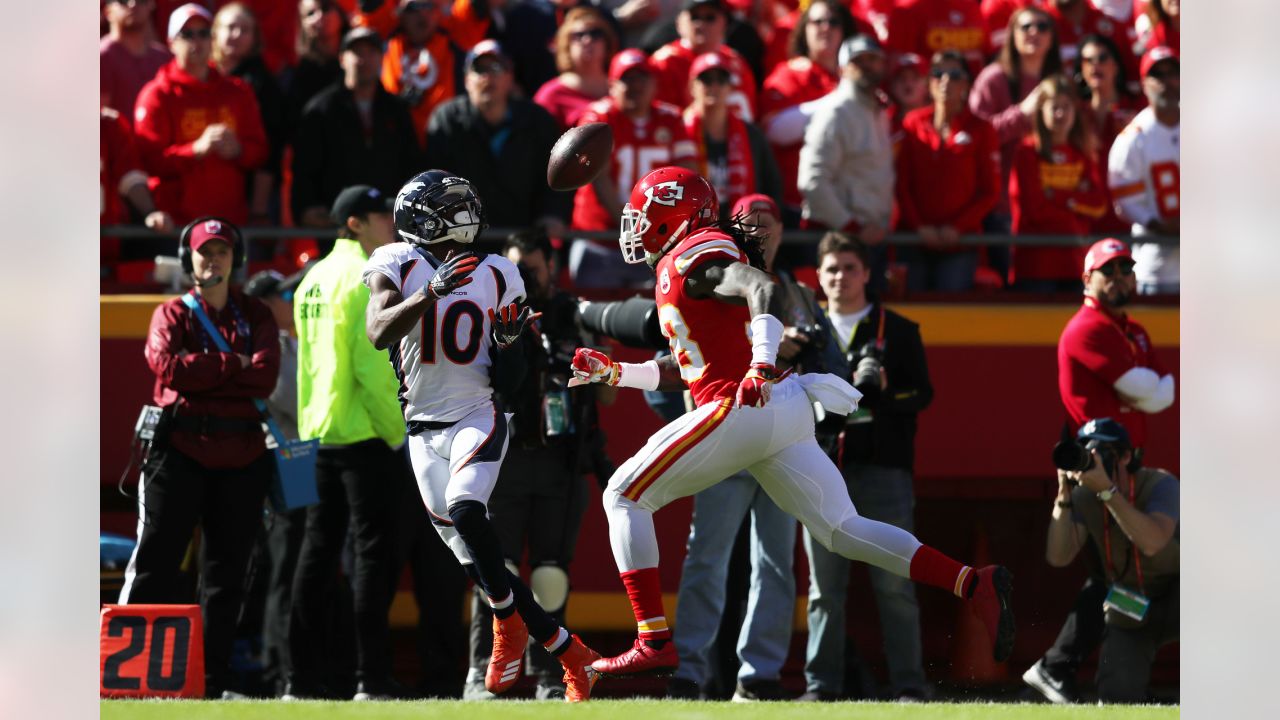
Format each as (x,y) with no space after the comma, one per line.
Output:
(1131,512)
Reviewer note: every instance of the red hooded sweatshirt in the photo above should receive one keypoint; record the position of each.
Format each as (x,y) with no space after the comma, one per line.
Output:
(172,112)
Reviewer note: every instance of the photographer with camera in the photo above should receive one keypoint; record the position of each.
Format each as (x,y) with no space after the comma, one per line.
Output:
(1131,512)
(875,451)
(1107,367)
(539,499)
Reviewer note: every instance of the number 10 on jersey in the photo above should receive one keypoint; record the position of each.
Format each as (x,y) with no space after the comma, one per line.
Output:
(461,351)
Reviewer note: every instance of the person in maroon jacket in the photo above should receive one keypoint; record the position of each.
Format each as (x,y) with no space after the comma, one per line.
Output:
(948,178)
(199,132)
(208,464)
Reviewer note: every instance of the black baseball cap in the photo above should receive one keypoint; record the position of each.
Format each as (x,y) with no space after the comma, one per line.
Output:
(272,282)
(361,34)
(358,200)
(1104,430)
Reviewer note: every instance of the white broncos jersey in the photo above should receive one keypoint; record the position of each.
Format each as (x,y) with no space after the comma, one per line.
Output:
(443,363)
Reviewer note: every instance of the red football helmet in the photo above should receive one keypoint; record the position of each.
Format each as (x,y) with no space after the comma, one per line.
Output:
(665,206)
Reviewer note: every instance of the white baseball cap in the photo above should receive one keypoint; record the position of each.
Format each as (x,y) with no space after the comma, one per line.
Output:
(179,18)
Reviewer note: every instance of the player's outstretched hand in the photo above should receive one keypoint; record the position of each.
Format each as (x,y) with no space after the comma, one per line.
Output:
(452,274)
(593,366)
(509,322)
(755,388)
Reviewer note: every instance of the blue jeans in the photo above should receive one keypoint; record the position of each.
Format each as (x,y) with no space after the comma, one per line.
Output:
(884,494)
(765,637)
(943,271)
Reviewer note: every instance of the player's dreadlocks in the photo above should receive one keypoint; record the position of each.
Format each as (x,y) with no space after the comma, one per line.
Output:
(740,231)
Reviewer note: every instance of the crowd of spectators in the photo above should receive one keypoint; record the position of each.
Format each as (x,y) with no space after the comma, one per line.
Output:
(261,112)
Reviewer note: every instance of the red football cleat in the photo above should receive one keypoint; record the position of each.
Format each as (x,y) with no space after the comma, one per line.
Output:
(579,676)
(510,637)
(640,660)
(993,601)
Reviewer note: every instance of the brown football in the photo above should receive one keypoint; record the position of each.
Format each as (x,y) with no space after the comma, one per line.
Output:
(579,156)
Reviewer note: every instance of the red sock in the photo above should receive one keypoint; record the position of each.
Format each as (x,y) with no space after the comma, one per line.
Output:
(931,567)
(645,592)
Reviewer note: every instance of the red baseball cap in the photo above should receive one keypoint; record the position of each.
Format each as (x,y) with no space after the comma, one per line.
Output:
(1104,251)
(1155,55)
(743,206)
(626,60)
(709,61)
(212,229)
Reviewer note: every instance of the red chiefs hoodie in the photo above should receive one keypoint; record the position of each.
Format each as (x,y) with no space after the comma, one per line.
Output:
(172,112)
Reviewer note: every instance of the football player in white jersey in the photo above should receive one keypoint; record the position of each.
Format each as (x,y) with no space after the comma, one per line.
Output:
(1142,172)
(430,297)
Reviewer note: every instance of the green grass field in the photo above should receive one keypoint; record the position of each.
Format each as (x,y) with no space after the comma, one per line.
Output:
(613,710)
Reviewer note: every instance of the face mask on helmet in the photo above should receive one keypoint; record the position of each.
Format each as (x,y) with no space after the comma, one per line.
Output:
(436,207)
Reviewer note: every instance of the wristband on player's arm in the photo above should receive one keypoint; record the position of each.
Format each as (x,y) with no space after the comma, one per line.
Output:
(643,376)
(766,335)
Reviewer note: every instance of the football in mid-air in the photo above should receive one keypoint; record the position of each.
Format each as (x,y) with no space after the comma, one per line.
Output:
(579,156)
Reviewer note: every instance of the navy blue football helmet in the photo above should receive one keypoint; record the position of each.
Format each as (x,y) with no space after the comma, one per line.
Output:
(436,206)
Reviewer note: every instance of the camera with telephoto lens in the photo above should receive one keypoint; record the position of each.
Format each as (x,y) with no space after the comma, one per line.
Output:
(632,322)
(1074,456)
(868,363)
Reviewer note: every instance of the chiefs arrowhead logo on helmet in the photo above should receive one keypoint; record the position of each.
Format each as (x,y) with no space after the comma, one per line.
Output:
(666,193)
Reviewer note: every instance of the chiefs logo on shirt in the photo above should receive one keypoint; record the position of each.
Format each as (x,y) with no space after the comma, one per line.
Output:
(666,193)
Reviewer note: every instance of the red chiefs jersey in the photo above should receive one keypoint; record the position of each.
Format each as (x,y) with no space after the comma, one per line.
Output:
(1063,195)
(710,339)
(671,64)
(924,27)
(796,81)
(638,149)
(1094,351)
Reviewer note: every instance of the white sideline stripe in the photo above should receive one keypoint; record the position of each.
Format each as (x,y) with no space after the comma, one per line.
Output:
(131,570)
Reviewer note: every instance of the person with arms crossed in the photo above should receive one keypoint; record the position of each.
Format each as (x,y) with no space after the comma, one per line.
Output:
(711,285)
(444,354)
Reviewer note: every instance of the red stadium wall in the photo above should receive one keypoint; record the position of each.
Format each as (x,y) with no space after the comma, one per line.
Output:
(984,482)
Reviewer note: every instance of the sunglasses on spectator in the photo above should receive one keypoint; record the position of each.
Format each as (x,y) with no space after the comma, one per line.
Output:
(715,77)
(1124,269)
(1039,25)
(583,35)
(488,68)
(200,34)
(951,74)
(708,17)
(1163,73)
(1096,58)
(824,21)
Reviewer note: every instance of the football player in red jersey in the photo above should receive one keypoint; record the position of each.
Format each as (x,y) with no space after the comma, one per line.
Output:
(718,309)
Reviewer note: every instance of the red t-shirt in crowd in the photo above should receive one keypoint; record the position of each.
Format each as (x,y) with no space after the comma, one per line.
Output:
(924,27)
(564,103)
(278,26)
(121,74)
(638,149)
(198,380)
(1063,195)
(1106,130)
(1095,349)
(119,166)
(672,62)
(953,181)
(172,112)
(796,81)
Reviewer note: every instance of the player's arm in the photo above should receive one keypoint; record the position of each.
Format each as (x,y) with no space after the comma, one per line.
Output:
(390,316)
(592,366)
